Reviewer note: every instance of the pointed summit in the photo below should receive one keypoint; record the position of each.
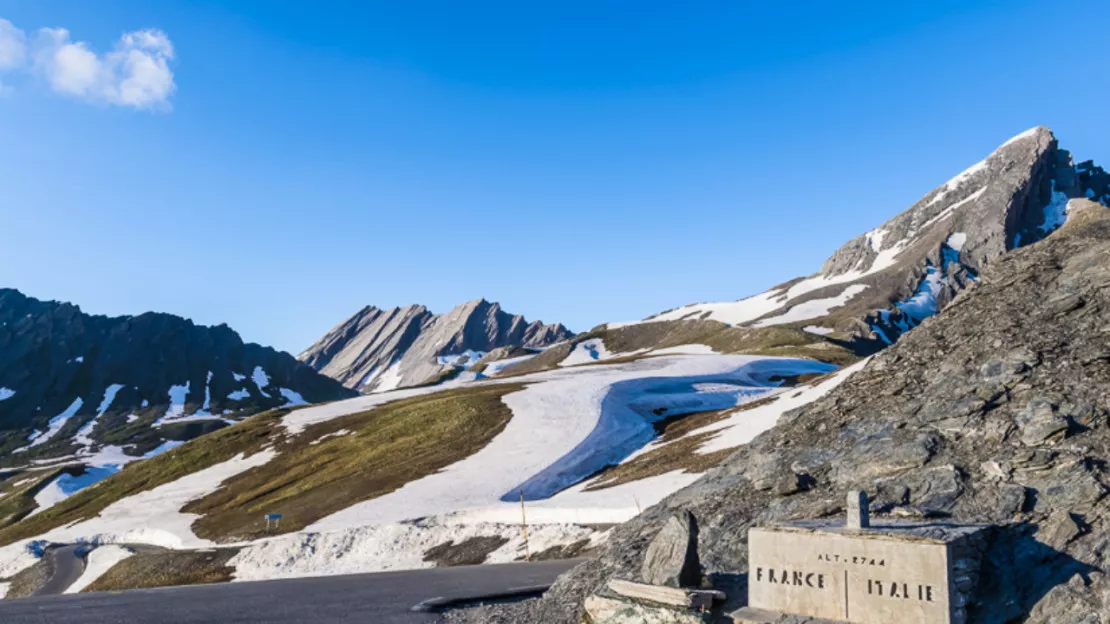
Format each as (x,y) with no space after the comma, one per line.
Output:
(886,281)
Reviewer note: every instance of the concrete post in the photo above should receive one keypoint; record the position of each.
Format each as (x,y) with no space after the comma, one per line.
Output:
(859,510)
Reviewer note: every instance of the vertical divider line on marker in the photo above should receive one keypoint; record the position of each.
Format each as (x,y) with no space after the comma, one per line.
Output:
(845,594)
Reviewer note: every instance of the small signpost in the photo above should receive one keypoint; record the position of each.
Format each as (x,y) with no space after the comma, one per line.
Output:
(273,521)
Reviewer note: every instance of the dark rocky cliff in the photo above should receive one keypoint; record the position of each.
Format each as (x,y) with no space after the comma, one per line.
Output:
(53,356)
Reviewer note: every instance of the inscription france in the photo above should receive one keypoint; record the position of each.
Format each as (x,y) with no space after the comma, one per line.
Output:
(787,577)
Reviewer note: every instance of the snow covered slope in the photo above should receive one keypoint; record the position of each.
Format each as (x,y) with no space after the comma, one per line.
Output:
(884,282)
(566,428)
(379,350)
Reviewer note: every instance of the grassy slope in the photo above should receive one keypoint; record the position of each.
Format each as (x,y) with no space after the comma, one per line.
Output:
(247,437)
(168,569)
(390,445)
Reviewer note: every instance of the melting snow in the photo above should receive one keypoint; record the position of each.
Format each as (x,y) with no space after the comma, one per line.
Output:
(97,562)
(292,398)
(389,547)
(587,351)
(743,426)
(923,303)
(176,410)
(261,379)
(814,308)
(955,182)
(56,424)
(154,516)
(83,434)
(730,312)
(390,378)
(567,423)
(953,208)
(466,358)
(495,368)
(1056,212)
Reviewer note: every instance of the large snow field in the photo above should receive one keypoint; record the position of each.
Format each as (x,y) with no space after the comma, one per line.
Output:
(567,424)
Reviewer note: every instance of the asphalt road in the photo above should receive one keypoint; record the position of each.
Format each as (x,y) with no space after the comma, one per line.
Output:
(383,598)
(67,567)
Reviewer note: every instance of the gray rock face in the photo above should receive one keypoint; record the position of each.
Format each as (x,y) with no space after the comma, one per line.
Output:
(883,283)
(963,419)
(672,557)
(377,350)
(56,360)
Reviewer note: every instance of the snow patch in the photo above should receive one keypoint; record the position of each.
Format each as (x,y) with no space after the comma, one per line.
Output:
(6,393)
(176,409)
(957,241)
(239,395)
(745,425)
(587,351)
(82,436)
(97,562)
(495,368)
(389,547)
(818,330)
(292,398)
(957,181)
(466,358)
(154,516)
(56,424)
(814,308)
(731,312)
(238,376)
(1056,212)
(390,378)
(261,379)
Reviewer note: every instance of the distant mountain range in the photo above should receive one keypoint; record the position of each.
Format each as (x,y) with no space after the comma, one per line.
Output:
(71,383)
(377,350)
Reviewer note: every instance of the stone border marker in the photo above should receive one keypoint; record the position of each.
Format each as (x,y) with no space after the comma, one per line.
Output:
(863,573)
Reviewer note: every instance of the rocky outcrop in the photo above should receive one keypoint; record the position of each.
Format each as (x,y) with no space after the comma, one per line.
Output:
(881,284)
(142,379)
(377,350)
(994,411)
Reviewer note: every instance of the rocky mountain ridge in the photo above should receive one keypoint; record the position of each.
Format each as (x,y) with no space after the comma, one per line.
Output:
(72,382)
(376,350)
(995,411)
(882,283)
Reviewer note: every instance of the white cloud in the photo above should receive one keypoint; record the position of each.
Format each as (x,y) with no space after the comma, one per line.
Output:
(13,46)
(135,73)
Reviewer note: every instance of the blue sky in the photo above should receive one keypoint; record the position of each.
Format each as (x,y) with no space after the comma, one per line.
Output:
(580,162)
